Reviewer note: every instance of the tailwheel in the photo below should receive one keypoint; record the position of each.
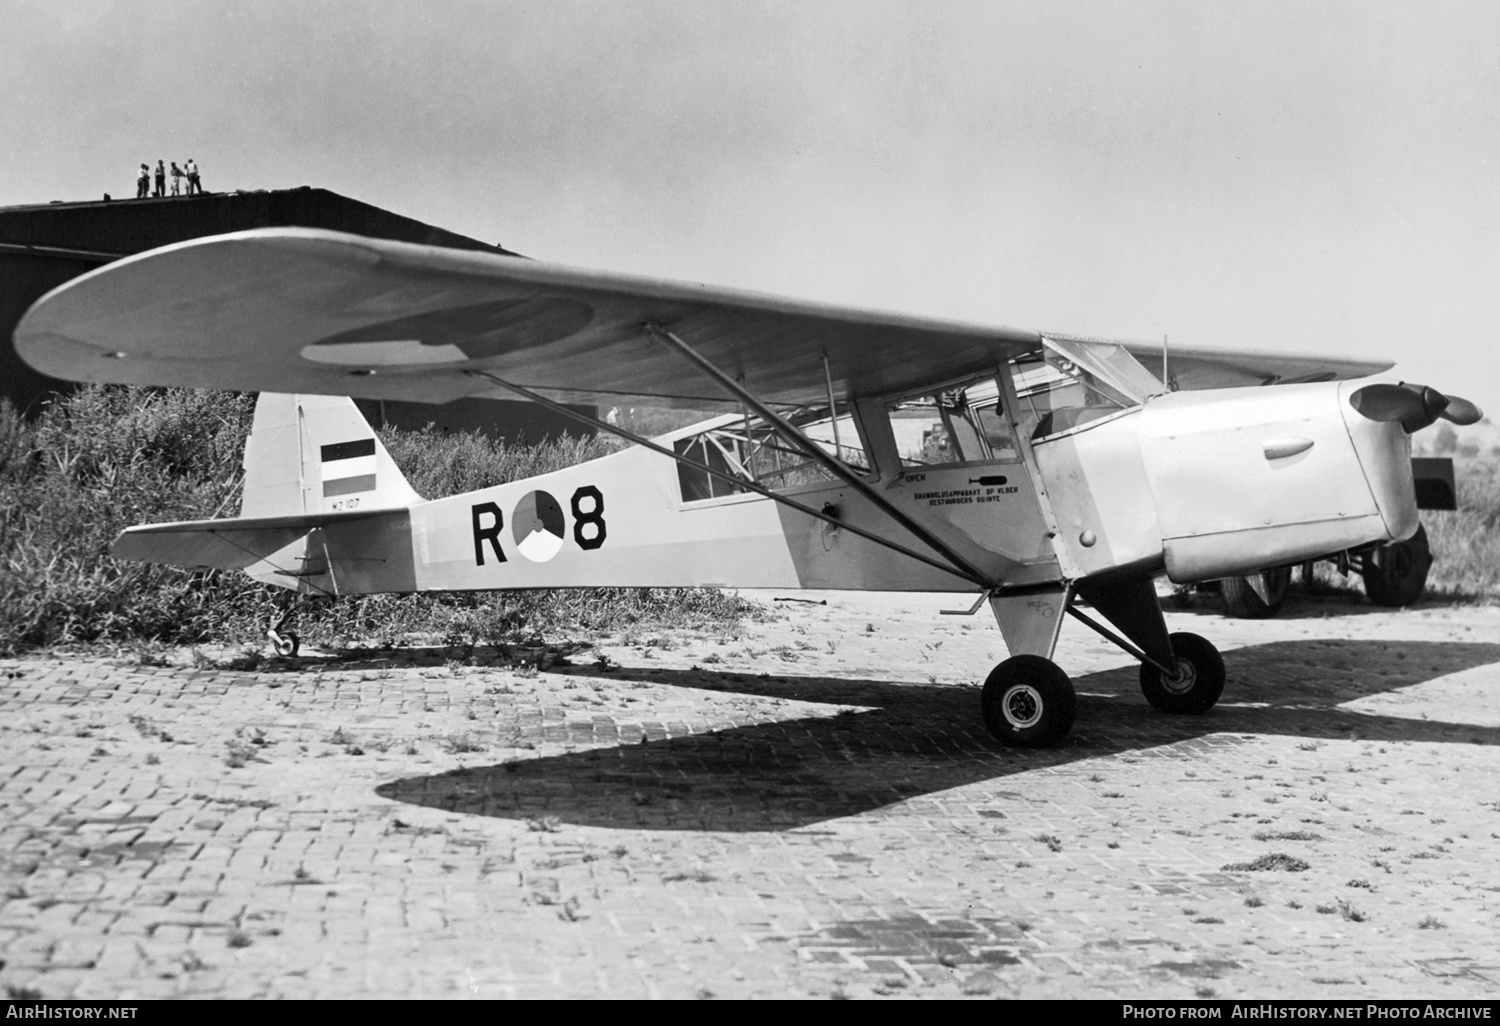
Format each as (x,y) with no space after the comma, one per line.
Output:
(284,643)
(1028,702)
(1199,680)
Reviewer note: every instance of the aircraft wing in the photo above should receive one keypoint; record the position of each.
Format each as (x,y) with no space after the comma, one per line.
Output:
(304,310)
(300,310)
(1194,369)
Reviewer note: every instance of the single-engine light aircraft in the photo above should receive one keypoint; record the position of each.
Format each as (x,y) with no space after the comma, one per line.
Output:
(1040,472)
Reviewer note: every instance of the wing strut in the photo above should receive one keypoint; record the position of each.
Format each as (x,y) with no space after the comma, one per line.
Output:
(816,453)
(738,482)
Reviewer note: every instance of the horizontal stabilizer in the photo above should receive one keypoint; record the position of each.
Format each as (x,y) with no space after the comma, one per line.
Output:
(225,544)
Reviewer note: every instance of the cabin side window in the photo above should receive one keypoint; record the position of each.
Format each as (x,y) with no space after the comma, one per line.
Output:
(748,450)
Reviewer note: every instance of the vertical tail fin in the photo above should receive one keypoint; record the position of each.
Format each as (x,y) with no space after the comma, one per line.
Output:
(317,454)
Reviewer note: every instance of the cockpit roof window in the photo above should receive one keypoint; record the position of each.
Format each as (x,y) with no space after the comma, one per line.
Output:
(1110,363)
(1068,382)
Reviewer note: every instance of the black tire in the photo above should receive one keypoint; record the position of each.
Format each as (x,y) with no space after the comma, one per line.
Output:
(287,644)
(1201,681)
(1396,574)
(1028,702)
(1240,599)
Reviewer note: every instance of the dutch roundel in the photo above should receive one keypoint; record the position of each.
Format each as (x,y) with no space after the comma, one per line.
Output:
(537,526)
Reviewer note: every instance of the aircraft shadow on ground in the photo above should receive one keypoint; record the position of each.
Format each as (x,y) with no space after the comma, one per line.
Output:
(912,740)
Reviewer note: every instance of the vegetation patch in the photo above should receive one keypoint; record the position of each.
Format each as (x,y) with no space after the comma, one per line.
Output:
(1287,835)
(1276,861)
(1466,542)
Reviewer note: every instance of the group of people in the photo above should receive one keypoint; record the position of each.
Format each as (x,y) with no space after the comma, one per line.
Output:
(188,171)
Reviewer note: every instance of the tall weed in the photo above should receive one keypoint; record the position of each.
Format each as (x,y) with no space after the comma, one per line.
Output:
(438,464)
(1466,543)
(93,464)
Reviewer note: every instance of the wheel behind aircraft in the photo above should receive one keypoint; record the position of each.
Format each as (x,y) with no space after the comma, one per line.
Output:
(1241,600)
(1396,574)
(1200,678)
(1028,702)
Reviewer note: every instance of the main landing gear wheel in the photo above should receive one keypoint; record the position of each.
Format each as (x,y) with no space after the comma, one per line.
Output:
(1028,702)
(1396,574)
(1199,680)
(1242,600)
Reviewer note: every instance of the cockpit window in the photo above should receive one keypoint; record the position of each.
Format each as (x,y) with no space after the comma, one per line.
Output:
(961,425)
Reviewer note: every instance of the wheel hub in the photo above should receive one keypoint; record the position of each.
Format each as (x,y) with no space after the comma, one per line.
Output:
(1022,706)
(1182,683)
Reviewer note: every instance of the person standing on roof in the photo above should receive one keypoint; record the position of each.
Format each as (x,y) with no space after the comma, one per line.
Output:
(161,179)
(176,179)
(143,182)
(194,185)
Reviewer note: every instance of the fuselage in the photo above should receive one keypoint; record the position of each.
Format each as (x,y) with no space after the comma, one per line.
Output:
(1196,485)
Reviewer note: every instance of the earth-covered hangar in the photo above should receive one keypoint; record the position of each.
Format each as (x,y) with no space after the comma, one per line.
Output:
(44,245)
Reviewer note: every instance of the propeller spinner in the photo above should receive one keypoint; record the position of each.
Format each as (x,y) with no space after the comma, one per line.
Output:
(1414,406)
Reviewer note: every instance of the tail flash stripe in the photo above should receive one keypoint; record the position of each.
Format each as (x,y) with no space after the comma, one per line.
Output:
(357,466)
(345,486)
(348,450)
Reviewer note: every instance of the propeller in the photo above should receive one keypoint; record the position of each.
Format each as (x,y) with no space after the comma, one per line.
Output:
(1414,406)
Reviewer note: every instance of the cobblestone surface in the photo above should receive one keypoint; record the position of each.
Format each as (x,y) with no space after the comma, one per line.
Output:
(809,807)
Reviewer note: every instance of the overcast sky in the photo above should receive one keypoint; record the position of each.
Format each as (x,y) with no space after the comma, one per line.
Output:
(1304,176)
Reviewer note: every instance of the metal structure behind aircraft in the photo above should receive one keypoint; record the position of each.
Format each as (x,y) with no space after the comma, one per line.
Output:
(1054,472)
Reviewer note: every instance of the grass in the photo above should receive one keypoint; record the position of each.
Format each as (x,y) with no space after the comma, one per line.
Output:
(1466,543)
(93,464)
(107,457)
(690,876)
(1287,835)
(457,744)
(1344,909)
(1276,861)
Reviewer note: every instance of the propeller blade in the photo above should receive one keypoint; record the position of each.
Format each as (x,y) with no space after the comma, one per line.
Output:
(1462,412)
(1414,406)
(1385,403)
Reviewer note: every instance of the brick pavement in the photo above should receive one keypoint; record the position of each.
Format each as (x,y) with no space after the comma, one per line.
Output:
(808,807)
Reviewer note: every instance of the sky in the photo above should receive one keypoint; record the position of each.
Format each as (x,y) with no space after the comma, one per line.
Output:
(1317,177)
